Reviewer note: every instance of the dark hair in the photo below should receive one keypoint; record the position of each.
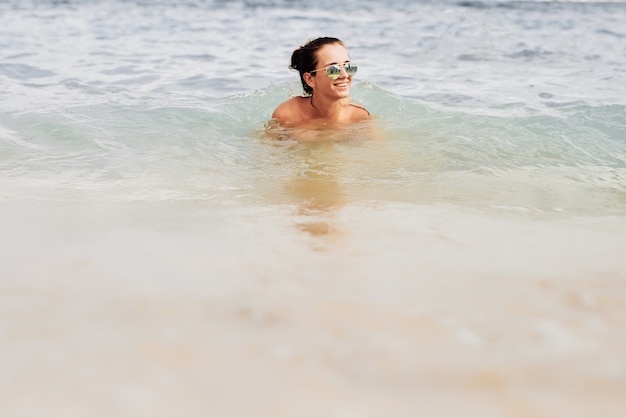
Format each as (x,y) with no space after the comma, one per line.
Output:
(304,59)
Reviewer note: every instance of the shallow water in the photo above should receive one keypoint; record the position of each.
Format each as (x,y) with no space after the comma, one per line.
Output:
(162,255)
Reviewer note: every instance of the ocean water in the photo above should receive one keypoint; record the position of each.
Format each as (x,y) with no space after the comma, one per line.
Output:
(162,255)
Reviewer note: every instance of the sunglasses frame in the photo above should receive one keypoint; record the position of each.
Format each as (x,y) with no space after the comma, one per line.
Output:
(335,75)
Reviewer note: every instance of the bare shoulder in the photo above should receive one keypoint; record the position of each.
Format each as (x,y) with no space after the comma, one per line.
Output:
(359,112)
(289,111)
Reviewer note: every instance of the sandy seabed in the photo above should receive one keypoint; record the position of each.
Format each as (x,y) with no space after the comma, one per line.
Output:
(151,309)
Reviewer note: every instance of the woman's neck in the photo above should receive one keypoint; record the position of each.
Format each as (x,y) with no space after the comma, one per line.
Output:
(327,109)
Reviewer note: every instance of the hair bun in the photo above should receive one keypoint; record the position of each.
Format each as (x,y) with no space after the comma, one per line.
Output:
(296,59)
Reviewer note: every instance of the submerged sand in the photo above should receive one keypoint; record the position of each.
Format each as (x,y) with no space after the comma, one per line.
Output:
(148,309)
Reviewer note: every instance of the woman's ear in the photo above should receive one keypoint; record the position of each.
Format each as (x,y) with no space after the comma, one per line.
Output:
(309,79)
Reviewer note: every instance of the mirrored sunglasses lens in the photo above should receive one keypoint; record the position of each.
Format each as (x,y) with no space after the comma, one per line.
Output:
(351,69)
(333,71)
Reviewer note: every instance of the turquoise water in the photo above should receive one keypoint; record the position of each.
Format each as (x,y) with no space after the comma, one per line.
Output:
(213,148)
(163,256)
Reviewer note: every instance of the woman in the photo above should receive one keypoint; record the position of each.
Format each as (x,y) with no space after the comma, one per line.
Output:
(326,75)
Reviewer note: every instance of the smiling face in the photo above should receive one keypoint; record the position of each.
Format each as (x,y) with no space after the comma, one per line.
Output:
(319,80)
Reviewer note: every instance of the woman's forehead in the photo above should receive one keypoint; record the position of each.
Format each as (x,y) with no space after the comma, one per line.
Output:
(332,54)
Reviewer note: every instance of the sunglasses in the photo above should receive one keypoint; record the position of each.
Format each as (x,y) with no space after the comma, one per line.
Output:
(334,70)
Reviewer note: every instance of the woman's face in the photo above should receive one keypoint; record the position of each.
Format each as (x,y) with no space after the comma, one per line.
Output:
(320,82)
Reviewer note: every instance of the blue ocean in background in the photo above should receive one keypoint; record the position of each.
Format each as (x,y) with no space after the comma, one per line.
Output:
(162,256)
